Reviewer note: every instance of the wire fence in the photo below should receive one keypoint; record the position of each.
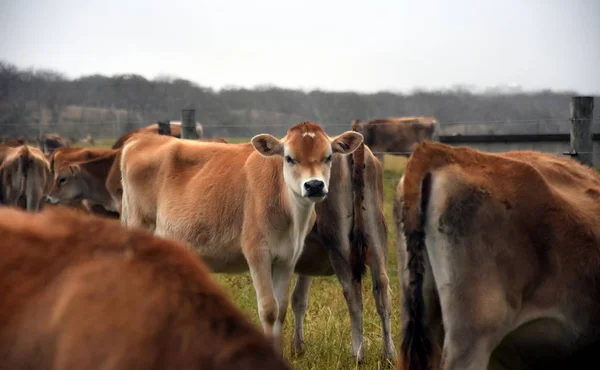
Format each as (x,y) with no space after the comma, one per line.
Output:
(488,128)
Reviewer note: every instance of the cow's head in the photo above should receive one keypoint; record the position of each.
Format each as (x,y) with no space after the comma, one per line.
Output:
(67,185)
(307,152)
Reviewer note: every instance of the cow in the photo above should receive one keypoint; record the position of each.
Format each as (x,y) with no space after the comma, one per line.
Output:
(91,175)
(81,174)
(242,207)
(24,176)
(501,259)
(82,292)
(50,142)
(356,181)
(328,241)
(153,128)
(399,136)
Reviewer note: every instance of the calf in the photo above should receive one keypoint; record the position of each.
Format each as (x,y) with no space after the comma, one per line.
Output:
(81,292)
(502,258)
(240,206)
(356,182)
(81,174)
(396,135)
(24,174)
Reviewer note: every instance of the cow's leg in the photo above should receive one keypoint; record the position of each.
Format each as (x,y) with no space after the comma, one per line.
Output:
(299,305)
(353,295)
(467,350)
(381,293)
(282,277)
(475,312)
(259,263)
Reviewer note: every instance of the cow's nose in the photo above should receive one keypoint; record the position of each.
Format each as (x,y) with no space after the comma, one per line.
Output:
(314,187)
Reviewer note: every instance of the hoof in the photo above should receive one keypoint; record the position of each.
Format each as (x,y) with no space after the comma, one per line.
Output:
(298,348)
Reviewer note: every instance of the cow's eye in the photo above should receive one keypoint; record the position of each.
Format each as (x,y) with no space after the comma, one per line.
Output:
(289,159)
(328,159)
(61,180)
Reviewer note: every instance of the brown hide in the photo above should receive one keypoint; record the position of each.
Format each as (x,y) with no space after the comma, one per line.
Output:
(89,294)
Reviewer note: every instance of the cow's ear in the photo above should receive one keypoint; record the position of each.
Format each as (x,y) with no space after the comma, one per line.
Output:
(347,142)
(267,145)
(75,169)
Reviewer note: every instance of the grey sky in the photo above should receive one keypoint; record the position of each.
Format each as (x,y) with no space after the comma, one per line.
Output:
(329,44)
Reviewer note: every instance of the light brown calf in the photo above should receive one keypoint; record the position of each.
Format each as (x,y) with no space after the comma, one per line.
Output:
(81,174)
(353,178)
(240,206)
(81,292)
(24,176)
(399,135)
(502,259)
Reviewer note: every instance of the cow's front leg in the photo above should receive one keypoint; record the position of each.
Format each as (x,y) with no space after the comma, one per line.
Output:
(259,263)
(282,276)
(299,306)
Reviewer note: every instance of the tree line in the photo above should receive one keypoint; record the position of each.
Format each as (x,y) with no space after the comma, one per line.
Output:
(41,100)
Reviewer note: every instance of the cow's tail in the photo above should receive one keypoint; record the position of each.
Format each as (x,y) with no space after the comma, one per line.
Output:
(416,349)
(358,240)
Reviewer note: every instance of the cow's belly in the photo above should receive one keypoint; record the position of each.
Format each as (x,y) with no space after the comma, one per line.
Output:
(217,242)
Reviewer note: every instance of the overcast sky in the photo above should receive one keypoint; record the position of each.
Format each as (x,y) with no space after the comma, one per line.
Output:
(336,45)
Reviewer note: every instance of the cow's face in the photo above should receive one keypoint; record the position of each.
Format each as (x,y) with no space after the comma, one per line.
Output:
(67,185)
(307,152)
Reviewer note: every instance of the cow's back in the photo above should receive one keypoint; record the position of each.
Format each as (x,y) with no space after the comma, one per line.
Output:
(120,299)
(163,176)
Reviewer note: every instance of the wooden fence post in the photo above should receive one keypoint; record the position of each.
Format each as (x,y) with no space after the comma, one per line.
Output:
(188,124)
(164,128)
(581,114)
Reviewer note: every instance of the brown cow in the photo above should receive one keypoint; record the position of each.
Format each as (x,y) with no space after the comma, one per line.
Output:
(81,292)
(503,259)
(397,135)
(50,142)
(328,242)
(24,175)
(92,175)
(240,206)
(153,128)
(80,174)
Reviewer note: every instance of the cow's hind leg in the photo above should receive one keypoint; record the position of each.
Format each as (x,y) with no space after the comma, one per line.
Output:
(467,350)
(299,305)
(381,293)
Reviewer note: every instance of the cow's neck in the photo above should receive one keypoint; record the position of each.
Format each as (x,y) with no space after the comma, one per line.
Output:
(302,213)
(95,191)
